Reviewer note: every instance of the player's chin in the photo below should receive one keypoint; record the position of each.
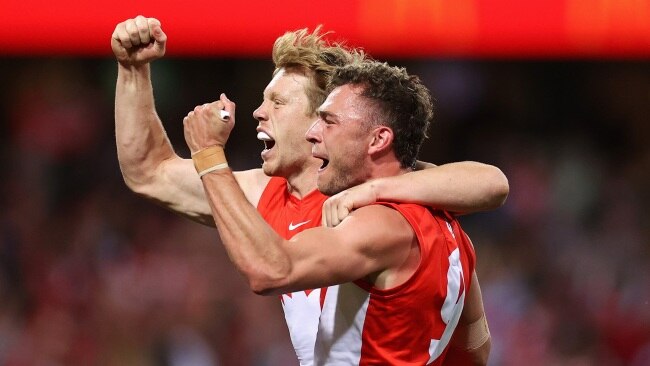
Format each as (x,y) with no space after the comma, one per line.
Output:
(326,185)
(271,167)
(267,168)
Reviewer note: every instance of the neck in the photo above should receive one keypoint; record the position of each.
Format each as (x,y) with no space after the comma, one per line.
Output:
(386,165)
(303,181)
(385,171)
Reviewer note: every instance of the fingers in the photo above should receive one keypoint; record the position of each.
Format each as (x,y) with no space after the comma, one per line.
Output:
(157,33)
(132,31)
(323,218)
(216,111)
(139,31)
(142,29)
(196,126)
(224,108)
(339,206)
(121,36)
(204,128)
(203,111)
(335,209)
(342,212)
(332,215)
(325,213)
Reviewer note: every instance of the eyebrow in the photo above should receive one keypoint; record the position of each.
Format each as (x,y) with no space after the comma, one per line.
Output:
(274,95)
(268,95)
(325,114)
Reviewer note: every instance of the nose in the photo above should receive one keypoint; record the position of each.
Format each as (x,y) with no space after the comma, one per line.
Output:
(260,113)
(313,134)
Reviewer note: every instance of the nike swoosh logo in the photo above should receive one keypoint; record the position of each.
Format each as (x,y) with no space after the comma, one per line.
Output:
(294,227)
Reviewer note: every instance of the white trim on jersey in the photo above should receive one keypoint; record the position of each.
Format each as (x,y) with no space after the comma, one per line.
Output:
(453,305)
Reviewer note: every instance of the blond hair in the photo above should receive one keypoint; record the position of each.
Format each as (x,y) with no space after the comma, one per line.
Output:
(310,53)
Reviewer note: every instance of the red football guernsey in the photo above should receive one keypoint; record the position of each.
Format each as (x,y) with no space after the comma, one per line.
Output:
(410,324)
(288,216)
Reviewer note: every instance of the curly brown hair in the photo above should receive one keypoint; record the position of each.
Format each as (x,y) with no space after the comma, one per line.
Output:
(313,55)
(396,99)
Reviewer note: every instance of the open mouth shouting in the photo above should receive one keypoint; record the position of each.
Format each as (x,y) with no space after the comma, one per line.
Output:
(325,160)
(269,142)
(325,164)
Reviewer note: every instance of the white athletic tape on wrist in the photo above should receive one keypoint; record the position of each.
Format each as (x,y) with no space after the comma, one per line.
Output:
(212,169)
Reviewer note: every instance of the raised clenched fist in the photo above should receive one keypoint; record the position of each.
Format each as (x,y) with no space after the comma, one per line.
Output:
(138,41)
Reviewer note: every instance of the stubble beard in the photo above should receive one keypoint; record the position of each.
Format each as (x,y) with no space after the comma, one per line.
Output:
(342,178)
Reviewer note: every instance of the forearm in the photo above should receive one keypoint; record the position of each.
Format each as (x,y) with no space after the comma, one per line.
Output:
(474,357)
(252,245)
(471,342)
(461,187)
(142,144)
(149,165)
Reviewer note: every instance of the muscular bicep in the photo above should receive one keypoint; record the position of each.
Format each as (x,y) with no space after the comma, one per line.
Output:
(373,239)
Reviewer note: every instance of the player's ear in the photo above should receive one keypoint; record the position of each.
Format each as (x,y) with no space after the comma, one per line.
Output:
(381,140)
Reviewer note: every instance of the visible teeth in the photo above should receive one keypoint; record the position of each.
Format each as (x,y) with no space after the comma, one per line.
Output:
(263,136)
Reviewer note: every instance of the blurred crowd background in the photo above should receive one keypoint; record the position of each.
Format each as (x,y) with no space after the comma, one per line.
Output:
(91,274)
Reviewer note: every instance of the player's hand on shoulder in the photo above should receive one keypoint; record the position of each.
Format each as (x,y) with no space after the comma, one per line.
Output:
(209,124)
(339,206)
(138,41)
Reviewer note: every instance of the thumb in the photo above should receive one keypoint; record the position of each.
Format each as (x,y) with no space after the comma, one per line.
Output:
(229,105)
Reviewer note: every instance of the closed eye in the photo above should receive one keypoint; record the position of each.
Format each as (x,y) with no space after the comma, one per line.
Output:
(327,118)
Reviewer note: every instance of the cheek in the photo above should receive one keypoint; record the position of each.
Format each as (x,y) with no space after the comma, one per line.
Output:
(299,132)
(349,149)
(342,157)
(295,140)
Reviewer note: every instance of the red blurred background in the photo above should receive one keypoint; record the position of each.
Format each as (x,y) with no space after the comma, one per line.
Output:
(395,28)
(556,93)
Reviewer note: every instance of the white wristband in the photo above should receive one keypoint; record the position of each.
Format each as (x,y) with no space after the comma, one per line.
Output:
(212,169)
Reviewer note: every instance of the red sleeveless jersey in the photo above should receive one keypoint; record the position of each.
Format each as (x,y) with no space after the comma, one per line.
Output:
(288,216)
(410,324)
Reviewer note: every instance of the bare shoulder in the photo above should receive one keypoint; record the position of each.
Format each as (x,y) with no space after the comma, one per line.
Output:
(252,182)
(378,215)
(382,227)
(388,238)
